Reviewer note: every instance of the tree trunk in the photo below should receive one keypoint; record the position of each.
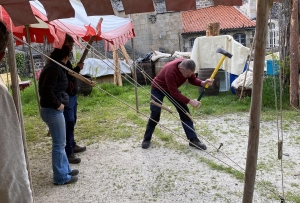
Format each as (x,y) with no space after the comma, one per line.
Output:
(284,39)
(256,98)
(294,70)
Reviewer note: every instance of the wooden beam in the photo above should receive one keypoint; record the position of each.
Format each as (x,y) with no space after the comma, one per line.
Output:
(256,98)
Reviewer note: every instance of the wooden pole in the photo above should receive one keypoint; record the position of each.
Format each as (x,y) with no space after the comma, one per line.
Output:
(88,46)
(126,56)
(135,78)
(32,67)
(254,123)
(248,65)
(17,99)
(294,70)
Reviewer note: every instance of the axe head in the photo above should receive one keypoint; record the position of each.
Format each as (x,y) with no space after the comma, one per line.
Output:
(225,53)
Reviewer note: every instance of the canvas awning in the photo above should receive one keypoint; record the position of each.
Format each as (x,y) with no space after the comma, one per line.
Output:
(21,14)
(115,30)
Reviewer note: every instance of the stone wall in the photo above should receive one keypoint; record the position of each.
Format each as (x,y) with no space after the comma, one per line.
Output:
(160,32)
(204,3)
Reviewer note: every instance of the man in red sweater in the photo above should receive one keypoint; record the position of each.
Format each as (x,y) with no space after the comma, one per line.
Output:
(166,83)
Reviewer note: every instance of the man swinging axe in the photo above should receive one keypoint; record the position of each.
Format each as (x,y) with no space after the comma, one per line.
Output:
(166,83)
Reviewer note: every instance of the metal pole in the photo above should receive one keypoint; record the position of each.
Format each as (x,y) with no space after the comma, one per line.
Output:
(32,67)
(258,72)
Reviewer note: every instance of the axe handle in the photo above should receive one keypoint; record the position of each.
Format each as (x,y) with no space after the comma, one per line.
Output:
(212,76)
(216,69)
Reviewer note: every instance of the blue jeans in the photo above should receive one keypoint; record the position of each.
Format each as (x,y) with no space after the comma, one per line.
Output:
(158,96)
(70,113)
(56,122)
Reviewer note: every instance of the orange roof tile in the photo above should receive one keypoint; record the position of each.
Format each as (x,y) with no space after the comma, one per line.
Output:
(228,16)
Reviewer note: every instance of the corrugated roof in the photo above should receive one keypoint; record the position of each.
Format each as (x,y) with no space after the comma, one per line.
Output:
(228,16)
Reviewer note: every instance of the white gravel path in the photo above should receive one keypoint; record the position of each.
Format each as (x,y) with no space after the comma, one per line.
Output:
(122,171)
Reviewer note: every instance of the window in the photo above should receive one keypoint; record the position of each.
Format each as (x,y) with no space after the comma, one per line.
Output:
(272,38)
(192,40)
(241,38)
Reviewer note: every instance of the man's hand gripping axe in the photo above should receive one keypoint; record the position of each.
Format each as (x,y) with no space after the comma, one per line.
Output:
(224,55)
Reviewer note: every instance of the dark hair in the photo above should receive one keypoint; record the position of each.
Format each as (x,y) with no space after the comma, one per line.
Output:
(59,54)
(3,37)
(68,40)
(188,64)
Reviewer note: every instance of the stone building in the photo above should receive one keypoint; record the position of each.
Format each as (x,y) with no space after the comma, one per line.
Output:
(231,22)
(163,30)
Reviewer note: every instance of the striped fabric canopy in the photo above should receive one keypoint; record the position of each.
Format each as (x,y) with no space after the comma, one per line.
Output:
(21,13)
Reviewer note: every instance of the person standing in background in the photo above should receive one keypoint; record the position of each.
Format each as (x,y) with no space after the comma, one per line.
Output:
(70,111)
(53,83)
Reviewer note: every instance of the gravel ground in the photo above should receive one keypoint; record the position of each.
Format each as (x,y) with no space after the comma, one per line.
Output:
(124,172)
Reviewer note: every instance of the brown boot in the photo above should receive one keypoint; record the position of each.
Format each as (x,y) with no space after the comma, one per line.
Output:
(78,149)
(73,159)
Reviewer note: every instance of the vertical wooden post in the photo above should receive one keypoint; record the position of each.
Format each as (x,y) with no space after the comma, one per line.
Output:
(32,67)
(17,99)
(126,56)
(254,123)
(117,74)
(294,70)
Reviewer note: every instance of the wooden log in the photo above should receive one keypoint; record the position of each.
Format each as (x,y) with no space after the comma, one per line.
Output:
(126,56)
(213,29)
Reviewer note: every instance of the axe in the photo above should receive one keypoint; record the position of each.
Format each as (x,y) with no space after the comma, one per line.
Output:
(224,55)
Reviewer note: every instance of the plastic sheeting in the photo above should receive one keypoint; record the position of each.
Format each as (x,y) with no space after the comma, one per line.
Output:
(96,67)
(205,56)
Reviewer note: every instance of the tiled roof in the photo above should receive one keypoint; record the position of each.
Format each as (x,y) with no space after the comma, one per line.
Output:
(228,16)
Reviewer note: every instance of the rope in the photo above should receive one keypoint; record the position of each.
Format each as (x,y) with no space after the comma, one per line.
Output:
(280,142)
(148,116)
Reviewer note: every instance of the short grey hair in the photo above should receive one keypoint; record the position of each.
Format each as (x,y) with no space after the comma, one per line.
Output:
(188,64)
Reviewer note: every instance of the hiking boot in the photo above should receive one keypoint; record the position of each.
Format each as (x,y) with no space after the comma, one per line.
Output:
(78,149)
(73,159)
(72,180)
(195,142)
(146,144)
(74,172)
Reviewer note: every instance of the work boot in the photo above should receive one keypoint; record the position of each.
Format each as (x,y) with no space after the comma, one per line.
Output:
(72,180)
(195,142)
(74,172)
(146,144)
(73,159)
(78,149)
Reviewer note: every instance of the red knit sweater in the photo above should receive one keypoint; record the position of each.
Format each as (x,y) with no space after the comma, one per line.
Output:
(170,79)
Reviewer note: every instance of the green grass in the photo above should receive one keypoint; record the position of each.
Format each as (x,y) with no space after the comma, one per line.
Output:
(114,116)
